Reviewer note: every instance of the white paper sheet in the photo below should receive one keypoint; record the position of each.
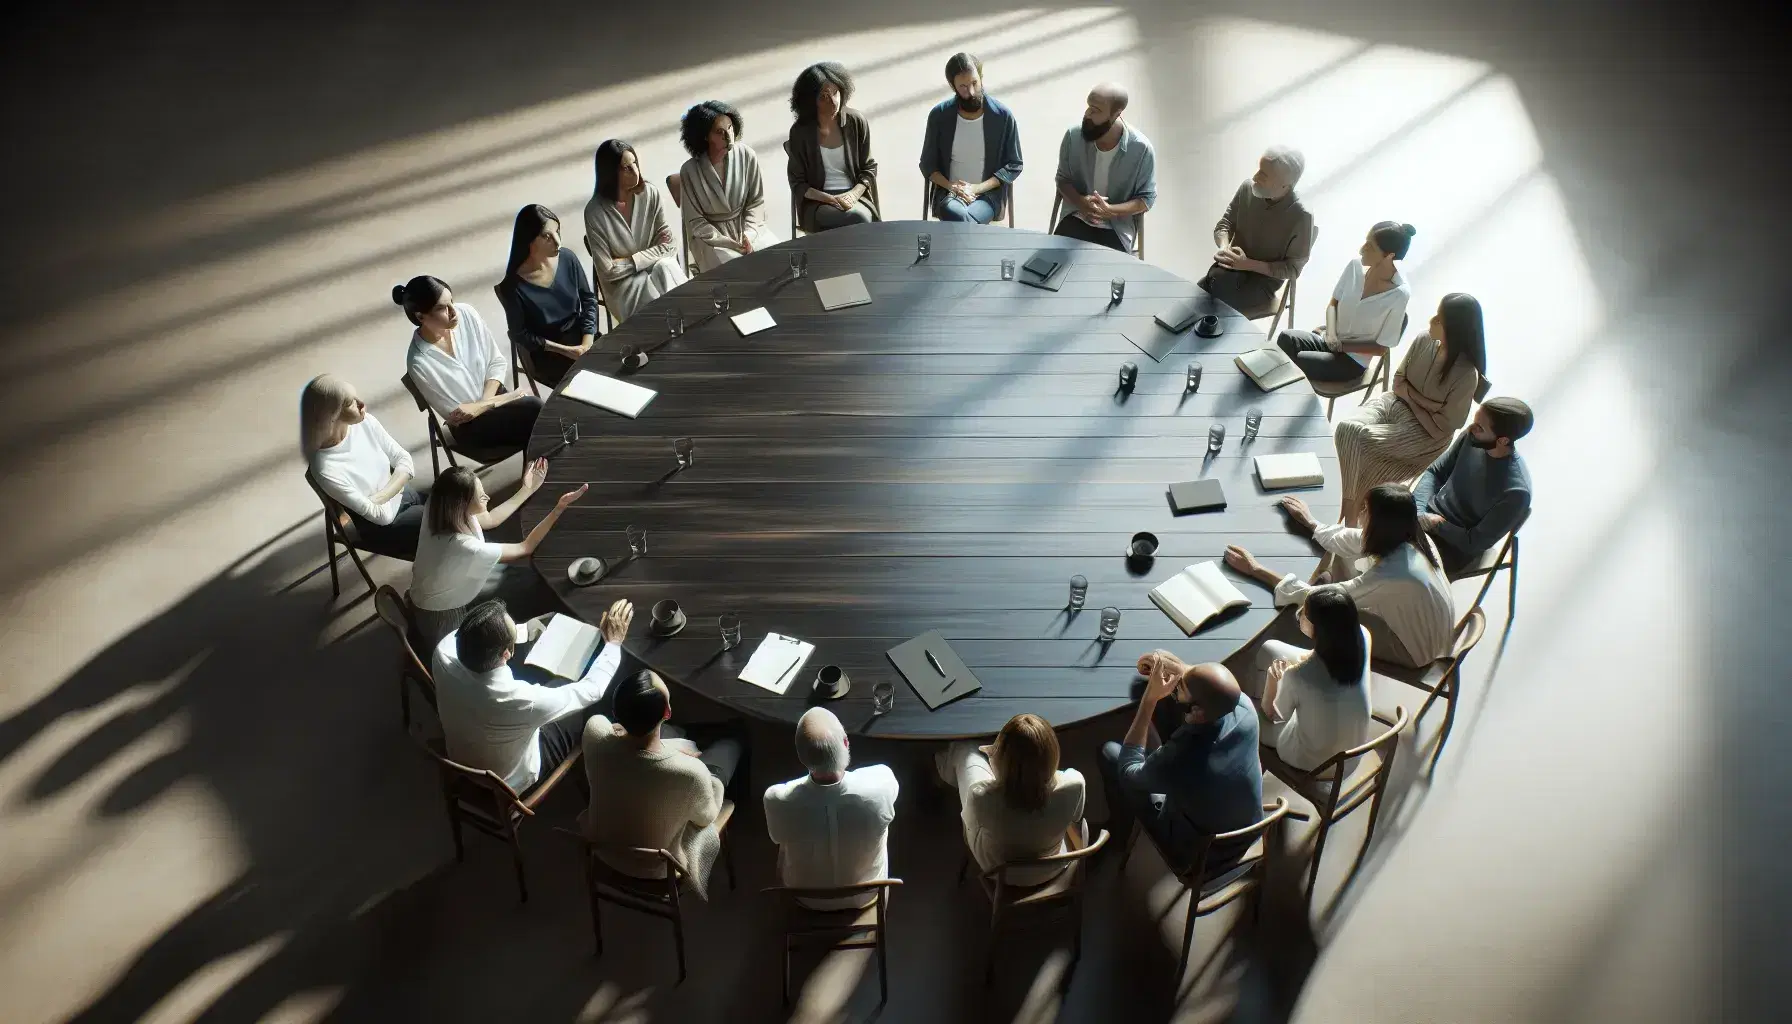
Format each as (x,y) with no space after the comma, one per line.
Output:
(776,661)
(753,321)
(617,396)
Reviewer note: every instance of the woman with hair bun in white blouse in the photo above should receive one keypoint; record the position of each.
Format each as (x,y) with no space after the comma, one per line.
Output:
(460,369)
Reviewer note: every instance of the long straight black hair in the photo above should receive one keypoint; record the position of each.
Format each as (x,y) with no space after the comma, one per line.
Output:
(1393,520)
(609,166)
(1337,634)
(530,220)
(1464,335)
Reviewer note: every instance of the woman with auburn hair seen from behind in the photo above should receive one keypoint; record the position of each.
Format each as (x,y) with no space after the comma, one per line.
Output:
(360,466)
(1015,801)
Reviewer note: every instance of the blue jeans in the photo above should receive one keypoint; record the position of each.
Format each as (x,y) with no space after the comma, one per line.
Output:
(980,210)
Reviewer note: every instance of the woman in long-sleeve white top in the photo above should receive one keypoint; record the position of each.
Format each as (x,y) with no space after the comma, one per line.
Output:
(1015,802)
(460,369)
(360,466)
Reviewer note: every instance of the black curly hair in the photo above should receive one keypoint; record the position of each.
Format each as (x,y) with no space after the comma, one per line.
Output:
(698,121)
(809,84)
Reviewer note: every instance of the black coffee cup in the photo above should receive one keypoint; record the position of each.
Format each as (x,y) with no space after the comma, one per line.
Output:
(667,616)
(1208,326)
(831,681)
(1142,546)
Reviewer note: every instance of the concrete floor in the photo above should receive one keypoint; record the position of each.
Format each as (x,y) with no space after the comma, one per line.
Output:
(210,811)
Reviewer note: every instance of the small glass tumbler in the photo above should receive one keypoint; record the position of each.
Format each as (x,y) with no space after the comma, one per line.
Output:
(1116,291)
(883,697)
(730,626)
(1216,438)
(674,323)
(1110,622)
(1007,270)
(923,245)
(718,297)
(1253,421)
(799,265)
(637,541)
(681,447)
(569,431)
(1079,591)
(1194,378)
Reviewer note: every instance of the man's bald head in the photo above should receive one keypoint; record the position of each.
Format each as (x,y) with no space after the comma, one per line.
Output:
(1211,689)
(821,742)
(1113,94)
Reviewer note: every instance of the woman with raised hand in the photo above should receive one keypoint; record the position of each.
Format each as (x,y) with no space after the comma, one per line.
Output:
(634,253)
(1015,801)
(359,465)
(1367,310)
(460,369)
(456,567)
(833,177)
(549,307)
(1315,703)
(724,194)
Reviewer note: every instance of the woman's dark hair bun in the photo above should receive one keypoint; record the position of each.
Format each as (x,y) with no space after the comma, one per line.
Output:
(1408,230)
(398,294)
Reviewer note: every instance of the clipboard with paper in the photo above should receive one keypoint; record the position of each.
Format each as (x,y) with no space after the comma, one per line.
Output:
(776,661)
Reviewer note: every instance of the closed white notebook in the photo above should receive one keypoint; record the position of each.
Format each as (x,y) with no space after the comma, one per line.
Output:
(609,393)
(1289,469)
(753,321)
(1197,594)
(1269,368)
(776,661)
(564,647)
(841,292)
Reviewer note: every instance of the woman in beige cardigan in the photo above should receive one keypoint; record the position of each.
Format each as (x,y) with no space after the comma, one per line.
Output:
(634,255)
(833,178)
(724,195)
(1394,436)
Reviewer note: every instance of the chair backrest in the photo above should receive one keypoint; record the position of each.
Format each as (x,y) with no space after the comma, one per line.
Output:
(391,609)
(597,280)
(1247,839)
(796,197)
(466,787)
(410,384)
(675,186)
(333,512)
(792,894)
(1077,850)
(1332,769)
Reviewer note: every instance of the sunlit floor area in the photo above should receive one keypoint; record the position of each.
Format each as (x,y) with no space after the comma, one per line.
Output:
(210,811)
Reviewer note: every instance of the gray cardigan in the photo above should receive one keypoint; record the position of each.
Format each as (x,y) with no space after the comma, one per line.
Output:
(807,171)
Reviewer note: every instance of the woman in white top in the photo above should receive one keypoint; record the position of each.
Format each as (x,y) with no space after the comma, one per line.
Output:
(1314,704)
(1367,310)
(360,466)
(1016,803)
(633,253)
(460,369)
(1394,575)
(456,567)
(724,195)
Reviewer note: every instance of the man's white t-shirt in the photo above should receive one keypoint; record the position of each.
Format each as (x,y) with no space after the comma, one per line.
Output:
(967,151)
(1098,184)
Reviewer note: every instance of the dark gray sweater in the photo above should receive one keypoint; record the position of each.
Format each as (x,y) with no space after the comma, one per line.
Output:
(1480,498)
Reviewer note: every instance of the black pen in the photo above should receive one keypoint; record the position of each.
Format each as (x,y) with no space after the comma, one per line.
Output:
(935,662)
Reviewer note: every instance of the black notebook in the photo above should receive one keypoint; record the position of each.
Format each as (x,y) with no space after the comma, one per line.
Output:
(1041,265)
(1045,269)
(935,672)
(1197,496)
(1182,316)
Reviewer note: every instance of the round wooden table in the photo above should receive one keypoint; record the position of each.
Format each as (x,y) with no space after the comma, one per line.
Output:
(945,458)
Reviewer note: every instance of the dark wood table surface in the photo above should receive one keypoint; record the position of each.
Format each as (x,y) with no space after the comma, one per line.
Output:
(946,458)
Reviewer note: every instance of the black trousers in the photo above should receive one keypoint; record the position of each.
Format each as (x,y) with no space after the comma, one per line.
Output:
(1252,294)
(398,538)
(1072,226)
(1318,362)
(505,428)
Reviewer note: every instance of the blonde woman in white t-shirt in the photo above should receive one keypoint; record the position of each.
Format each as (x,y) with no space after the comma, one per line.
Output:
(361,467)
(456,567)
(1367,310)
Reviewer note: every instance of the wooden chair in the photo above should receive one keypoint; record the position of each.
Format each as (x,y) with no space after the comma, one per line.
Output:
(675,188)
(1286,302)
(1332,793)
(339,529)
(1138,242)
(606,319)
(522,367)
(852,928)
(1442,679)
(1492,561)
(658,897)
(928,188)
(478,798)
(441,440)
(1064,891)
(1213,886)
(411,669)
(1379,372)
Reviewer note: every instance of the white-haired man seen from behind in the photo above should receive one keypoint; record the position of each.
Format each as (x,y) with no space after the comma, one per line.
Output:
(831,825)
(1264,237)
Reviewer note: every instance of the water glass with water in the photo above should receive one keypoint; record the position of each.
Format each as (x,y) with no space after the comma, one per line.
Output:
(1110,622)
(923,245)
(1116,291)
(1194,377)
(718,297)
(637,541)
(674,323)
(1216,438)
(569,431)
(1253,421)
(883,697)
(729,624)
(799,265)
(1079,591)
(681,447)
(1129,375)
(1007,270)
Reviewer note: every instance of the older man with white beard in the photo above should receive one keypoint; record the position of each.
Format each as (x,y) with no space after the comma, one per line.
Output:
(1264,237)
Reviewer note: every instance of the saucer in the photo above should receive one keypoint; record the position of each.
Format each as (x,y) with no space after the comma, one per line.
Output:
(585,571)
(671,628)
(1209,326)
(840,690)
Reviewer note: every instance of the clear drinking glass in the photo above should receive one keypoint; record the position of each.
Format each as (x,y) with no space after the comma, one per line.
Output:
(923,245)
(883,697)
(1007,270)
(1110,622)
(681,447)
(730,627)
(637,541)
(569,431)
(674,323)
(718,297)
(1079,591)
(1253,421)
(799,265)
(1116,290)
(1129,374)
(1216,438)
(1194,377)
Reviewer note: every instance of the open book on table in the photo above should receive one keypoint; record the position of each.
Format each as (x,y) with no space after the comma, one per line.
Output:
(1197,594)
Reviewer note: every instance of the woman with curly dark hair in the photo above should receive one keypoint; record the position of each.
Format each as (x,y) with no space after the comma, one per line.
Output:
(833,178)
(724,194)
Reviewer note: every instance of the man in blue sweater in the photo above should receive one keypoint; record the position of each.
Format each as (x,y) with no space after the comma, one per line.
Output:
(971,152)
(1478,490)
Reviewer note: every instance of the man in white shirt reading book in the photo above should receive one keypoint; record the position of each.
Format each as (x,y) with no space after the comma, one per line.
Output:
(832,826)
(519,731)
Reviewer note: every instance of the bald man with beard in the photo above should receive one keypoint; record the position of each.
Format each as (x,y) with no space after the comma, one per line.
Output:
(1204,779)
(1107,173)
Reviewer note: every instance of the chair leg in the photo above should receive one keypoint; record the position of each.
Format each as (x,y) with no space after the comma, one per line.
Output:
(516,855)
(883,965)
(366,576)
(1443,735)
(460,847)
(597,913)
(1512,583)
(1188,936)
(1328,408)
(728,861)
(678,933)
(1325,826)
(964,867)
(786,989)
(1132,837)
(989,952)
(404,698)
(330,550)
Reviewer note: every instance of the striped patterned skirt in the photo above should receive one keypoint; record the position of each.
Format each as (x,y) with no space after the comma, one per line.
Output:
(1381,442)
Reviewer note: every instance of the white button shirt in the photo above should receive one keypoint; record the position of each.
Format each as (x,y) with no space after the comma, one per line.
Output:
(451,380)
(834,834)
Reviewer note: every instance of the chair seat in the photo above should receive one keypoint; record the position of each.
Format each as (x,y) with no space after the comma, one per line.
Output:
(1340,388)
(1482,566)
(1043,892)
(1317,791)
(483,455)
